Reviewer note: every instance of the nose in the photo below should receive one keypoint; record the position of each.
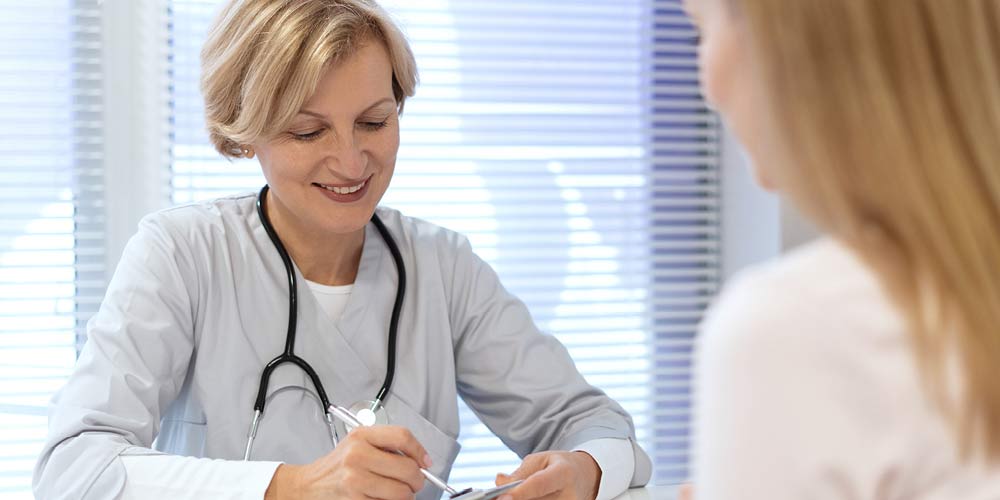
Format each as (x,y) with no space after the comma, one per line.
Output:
(347,158)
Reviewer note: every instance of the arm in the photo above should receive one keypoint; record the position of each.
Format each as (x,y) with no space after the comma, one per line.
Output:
(170,477)
(132,367)
(522,383)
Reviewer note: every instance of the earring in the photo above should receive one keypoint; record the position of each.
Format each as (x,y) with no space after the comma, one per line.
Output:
(247,152)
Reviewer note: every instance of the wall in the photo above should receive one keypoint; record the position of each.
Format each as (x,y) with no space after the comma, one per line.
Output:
(756,224)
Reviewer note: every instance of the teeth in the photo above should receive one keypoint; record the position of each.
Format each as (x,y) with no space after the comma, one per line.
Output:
(344,190)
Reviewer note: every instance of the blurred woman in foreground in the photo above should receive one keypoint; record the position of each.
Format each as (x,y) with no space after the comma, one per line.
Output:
(865,365)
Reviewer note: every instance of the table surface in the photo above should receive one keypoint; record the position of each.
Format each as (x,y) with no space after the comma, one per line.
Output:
(652,492)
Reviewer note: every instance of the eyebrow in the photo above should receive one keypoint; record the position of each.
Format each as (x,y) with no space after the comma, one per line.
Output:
(321,116)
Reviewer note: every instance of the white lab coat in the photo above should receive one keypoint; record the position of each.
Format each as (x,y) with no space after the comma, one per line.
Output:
(199,304)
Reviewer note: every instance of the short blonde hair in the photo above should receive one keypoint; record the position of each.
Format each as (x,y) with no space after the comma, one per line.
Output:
(264,58)
(888,115)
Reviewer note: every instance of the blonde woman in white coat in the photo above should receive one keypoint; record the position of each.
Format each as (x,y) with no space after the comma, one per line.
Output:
(199,304)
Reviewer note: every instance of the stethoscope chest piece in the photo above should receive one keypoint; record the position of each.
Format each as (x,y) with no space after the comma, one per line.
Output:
(368,416)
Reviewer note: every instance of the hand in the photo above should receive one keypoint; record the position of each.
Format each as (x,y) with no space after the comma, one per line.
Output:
(358,468)
(686,492)
(554,475)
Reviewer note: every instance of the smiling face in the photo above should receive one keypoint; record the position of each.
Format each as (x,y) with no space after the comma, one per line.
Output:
(730,82)
(330,167)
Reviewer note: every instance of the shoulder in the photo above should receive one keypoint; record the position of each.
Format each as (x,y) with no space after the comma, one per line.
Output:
(421,235)
(817,300)
(201,221)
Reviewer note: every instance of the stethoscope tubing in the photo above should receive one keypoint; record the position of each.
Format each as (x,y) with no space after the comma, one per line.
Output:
(289,356)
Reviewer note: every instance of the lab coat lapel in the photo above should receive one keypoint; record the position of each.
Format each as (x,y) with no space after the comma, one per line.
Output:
(346,370)
(263,295)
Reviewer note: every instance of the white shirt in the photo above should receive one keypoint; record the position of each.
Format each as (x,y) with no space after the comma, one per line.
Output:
(807,389)
(332,299)
(157,476)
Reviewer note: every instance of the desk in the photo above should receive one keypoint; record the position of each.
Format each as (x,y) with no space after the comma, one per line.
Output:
(652,492)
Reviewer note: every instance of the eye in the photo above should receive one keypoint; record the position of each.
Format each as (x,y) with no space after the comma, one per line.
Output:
(695,37)
(374,125)
(307,136)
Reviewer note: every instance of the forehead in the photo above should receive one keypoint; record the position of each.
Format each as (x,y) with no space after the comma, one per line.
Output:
(355,82)
(697,9)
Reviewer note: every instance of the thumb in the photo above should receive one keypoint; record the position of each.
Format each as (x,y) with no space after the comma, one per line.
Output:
(686,492)
(503,479)
(530,465)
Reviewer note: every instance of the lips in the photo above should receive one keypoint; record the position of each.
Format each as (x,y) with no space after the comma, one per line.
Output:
(344,189)
(342,193)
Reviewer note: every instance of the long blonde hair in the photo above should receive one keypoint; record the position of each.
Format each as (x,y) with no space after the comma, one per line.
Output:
(889,116)
(264,58)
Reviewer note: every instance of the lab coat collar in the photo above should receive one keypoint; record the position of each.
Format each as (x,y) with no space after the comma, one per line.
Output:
(347,378)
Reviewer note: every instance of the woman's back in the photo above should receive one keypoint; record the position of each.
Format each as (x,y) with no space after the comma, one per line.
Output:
(808,389)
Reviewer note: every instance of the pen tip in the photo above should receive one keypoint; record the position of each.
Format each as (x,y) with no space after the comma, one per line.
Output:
(460,493)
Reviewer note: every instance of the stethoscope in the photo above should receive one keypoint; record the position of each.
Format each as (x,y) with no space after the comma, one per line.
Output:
(369,412)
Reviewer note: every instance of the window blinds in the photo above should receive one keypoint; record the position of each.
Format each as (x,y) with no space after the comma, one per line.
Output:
(684,228)
(51,262)
(569,141)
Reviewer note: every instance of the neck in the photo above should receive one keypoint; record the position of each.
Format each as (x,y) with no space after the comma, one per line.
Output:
(328,259)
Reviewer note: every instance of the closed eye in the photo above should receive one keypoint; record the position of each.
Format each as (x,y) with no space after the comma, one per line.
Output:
(373,126)
(307,136)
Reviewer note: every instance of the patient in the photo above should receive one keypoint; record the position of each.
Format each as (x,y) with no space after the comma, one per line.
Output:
(865,365)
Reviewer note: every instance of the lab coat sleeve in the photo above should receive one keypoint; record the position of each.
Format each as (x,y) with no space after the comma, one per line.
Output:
(139,346)
(170,477)
(520,382)
(617,463)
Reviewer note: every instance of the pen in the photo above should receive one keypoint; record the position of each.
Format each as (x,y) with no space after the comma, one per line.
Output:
(348,418)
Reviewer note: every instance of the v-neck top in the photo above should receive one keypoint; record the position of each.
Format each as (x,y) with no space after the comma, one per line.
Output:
(332,299)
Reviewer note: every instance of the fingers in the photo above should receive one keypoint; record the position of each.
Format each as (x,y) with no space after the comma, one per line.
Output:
(686,492)
(392,438)
(542,483)
(390,466)
(380,488)
(372,452)
(531,464)
(503,479)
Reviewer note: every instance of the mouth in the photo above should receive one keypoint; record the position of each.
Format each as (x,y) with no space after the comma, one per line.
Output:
(343,189)
(342,193)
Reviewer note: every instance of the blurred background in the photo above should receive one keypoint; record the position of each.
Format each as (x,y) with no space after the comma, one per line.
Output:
(567,138)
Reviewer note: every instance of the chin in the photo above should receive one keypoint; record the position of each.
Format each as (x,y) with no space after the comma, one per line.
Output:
(347,225)
(346,222)
(764,180)
(762,176)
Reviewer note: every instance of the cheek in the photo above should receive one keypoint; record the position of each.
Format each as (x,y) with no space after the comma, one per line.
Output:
(265,157)
(287,159)
(384,148)
(717,70)
(731,87)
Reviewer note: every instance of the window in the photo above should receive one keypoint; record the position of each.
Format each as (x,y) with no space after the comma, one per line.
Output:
(51,258)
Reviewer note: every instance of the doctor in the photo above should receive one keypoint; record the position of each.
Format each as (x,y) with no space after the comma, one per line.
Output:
(165,390)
